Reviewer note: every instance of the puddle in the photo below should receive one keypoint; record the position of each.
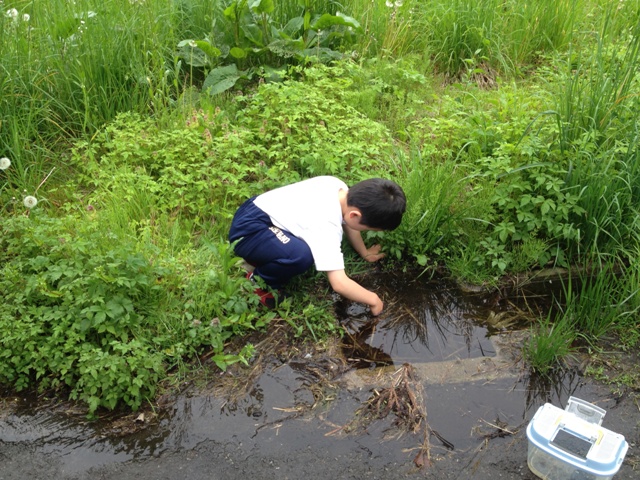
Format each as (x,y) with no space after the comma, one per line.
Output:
(421,323)
(434,321)
(291,421)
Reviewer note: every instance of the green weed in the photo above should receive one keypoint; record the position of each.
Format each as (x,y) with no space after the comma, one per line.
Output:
(551,341)
(105,316)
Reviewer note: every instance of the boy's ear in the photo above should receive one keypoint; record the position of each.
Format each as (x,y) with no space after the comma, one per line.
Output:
(355,214)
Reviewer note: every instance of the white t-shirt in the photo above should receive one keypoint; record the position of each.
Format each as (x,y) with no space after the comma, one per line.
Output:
(310,209)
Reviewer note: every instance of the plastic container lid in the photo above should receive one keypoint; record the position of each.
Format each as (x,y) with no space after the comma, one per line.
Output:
(583,443)
(585,410)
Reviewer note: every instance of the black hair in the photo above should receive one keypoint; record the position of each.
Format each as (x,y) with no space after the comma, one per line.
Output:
(381,203)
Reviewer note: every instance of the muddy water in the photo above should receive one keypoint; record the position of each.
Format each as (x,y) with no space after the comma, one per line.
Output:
(297,419)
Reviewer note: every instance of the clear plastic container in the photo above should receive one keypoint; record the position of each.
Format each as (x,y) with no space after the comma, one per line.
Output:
(571,444)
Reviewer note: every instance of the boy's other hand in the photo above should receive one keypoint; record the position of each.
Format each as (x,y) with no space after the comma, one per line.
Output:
(373,253)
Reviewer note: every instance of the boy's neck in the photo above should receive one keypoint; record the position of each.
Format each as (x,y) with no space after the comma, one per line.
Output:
(342,198)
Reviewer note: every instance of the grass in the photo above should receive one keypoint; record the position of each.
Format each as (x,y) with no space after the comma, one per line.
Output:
(105,123)
(550,343)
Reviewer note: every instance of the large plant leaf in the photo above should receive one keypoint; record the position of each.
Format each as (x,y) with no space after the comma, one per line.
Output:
(231,11)
(207,48)
(293,27)
(262,6)
(253,33)
(221,79)
(192,54)
(237,52)
(327,20)
(287,48)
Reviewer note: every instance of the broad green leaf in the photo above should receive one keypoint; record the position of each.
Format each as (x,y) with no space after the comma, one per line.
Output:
(349,21)
(231,11)
(253,33)
(262,6)
(192,54)
(307,20)
(293,26)
(207,48)
(327,20)
(221,79)
(322,54)
(237,52)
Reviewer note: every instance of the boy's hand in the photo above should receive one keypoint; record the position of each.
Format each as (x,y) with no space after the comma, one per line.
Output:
(377,308)
(373,254)
(354,291)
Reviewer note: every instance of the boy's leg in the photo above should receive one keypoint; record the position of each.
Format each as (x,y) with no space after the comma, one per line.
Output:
(278,255)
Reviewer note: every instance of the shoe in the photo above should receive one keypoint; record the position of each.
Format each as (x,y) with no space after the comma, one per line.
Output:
(266,298)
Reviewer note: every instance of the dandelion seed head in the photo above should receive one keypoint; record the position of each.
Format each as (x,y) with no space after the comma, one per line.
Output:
(4,163)
(12,13)
(26,17)
(192,44)
(30,201)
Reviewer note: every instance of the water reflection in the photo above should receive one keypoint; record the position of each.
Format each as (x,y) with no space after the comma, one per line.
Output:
(424,322)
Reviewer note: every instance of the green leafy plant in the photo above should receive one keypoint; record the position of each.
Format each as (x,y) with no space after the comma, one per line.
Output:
(529,200)
(105,316)
(251,41)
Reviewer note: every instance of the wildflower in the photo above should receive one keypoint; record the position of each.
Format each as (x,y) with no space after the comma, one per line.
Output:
(30,201)
(4,163)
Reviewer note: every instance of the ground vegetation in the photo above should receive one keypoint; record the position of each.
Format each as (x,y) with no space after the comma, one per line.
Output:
(130,131)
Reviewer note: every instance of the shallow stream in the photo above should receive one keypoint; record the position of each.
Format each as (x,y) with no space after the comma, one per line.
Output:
(298,417)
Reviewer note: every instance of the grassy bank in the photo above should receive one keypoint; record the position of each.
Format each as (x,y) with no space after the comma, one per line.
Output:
(132,130)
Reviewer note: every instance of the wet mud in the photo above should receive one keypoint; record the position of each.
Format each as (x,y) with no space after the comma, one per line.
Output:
(434,388)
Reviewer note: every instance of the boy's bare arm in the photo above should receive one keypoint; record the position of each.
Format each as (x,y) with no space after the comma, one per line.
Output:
(371,254)
(346,287)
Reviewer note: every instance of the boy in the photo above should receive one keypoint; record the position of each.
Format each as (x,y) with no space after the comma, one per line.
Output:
(284,231)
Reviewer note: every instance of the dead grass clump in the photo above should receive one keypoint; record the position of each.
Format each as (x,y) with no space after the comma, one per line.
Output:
(404,399)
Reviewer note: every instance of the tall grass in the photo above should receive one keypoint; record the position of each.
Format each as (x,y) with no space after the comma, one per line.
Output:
(464,36)
(599,133)
(535,28)
(391,28)
(436,203)
(71,67)
(598,104)
(594,306)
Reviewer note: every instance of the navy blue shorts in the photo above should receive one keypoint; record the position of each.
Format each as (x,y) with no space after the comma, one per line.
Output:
(278,255)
